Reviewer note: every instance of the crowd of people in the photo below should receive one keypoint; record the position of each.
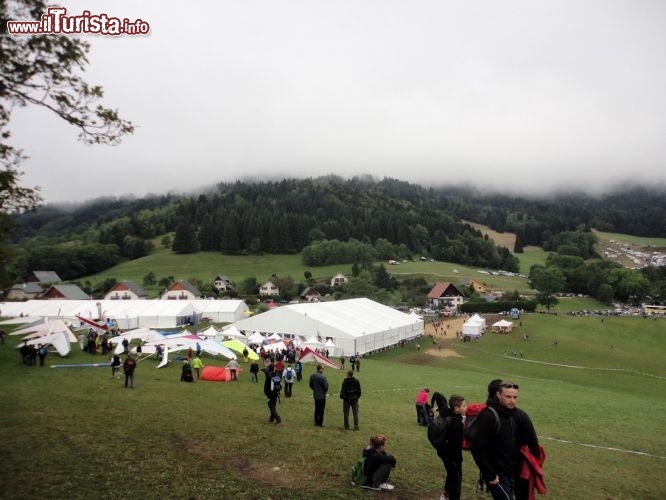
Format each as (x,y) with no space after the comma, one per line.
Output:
(501,437)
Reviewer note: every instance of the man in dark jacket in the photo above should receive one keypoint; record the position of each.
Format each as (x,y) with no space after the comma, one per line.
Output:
(450,451)
(350,394)
(378,464)
(495,448)
(319,386)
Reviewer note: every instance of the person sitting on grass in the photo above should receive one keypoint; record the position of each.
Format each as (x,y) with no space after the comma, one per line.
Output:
(378,464)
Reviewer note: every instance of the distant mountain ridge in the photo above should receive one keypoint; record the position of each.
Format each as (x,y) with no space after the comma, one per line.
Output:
(283,217)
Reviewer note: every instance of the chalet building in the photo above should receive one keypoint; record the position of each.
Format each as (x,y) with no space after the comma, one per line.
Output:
(126,290)
(338,279)
(24,291)
(43,278)
(476,285)
(310,295)
(269,288)
(65,291)
(222,283)
(181,290)
(444,294)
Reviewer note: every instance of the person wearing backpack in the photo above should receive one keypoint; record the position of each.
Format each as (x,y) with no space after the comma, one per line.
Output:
(273,395)
(186,372)
(450,447)
(350,392)
(495,448)
(289,376)
(128,367)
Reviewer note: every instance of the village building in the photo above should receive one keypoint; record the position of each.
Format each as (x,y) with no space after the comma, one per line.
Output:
(444,294)
(268,289)
(43,278)
(181,290)
(338,279)
(66,291)
(310,295)
(126,290)
(24,291)
(222,283)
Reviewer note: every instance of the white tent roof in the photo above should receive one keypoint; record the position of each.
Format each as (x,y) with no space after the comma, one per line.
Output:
(255,338)
(211,331)
(355,325)
(503,323)
(221,311)
(312,342)
(127,313)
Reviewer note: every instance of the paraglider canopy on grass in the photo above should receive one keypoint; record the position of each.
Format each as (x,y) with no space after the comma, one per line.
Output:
(310,356)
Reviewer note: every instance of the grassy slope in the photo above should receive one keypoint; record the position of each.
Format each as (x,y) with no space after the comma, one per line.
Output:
(627,238)
(205,265)
(76,433)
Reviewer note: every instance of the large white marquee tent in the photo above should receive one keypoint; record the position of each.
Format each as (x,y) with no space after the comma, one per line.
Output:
(129,314)
(355,325)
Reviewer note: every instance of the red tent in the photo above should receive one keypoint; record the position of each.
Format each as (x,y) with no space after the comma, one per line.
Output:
(217,373)
(311,356)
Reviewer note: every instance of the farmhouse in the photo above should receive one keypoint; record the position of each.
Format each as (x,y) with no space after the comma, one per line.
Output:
(476,285)
(125,290)
(222,283)
(338,279)
(310,295)
(269,288)
(444,294)
(43,278)
(181,290)
(24,291)
(354,326)
(64,291)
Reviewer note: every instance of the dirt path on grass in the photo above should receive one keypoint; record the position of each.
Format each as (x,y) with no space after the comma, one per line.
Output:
(444,332)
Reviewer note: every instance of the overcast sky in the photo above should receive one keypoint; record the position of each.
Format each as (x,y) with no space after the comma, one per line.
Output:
(526,95)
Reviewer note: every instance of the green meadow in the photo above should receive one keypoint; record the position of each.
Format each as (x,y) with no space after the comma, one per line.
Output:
(595,391)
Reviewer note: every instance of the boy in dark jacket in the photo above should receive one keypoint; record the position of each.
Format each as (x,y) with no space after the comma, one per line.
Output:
(450,451)
(378,464)
(272,395)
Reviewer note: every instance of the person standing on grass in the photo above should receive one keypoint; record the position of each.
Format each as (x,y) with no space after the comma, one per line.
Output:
(497,453)
(273,396)
(378,464)
(41,352)
(197,366)
(128,367)
(319,386)
(350,394)
(254,371)
(422,407)
(115,366)
(233,369)
(298,367)
(450,450)
(289,375)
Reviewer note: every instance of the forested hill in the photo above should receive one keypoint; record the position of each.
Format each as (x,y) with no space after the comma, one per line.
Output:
(387,218)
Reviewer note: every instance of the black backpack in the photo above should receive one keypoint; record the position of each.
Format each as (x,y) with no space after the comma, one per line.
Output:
(437,431)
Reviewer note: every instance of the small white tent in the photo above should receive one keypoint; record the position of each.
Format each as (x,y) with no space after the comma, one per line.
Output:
(473,327)
(502,326)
